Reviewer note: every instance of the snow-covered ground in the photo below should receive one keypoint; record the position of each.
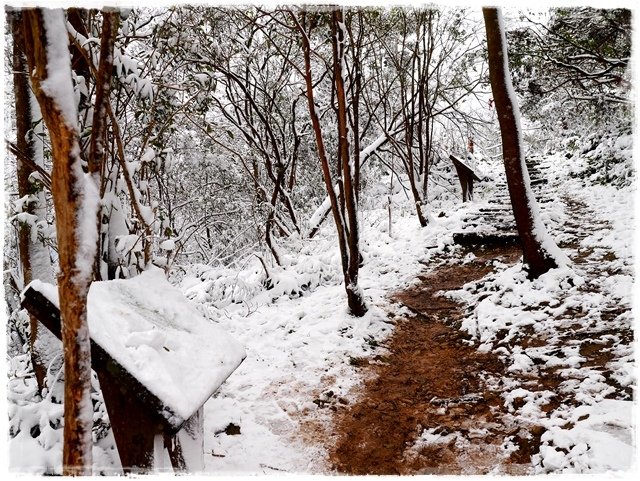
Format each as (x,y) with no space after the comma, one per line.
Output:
(573,327)
(302,345)
(301,349)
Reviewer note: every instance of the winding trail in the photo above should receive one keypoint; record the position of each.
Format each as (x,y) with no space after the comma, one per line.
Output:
(434,403)
(429,380)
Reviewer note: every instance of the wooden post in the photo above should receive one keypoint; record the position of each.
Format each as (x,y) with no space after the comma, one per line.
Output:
(137,416)
(134,427)
(466,176)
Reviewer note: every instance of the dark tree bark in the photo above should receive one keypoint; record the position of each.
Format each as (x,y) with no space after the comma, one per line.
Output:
(98,140)
(354,296)
(77,17)
(29,248)
(355,77)
(72,199)
(345,219)
(536,255)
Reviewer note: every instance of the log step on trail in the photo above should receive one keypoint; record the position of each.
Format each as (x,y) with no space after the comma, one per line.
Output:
(476,239)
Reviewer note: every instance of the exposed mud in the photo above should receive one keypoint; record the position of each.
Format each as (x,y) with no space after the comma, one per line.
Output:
(434,403)
(433,381)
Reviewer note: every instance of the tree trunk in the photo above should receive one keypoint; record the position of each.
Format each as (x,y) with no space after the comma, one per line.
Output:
(539,251)
(272,215)
(34,255)
(354,295)
(98,138)
(347,235)
(75,199)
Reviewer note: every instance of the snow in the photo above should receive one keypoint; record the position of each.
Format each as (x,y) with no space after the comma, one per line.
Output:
(148,155)
(58,83)
(58,86)
(300,339)
(301,342)
(168,245)
(371,148)
(148,327)
(87,218)
(599,441)
(430,437)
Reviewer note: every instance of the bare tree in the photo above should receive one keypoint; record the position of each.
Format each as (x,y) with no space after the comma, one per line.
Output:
(540,253)
(259,102)
(432,53)
(344,207)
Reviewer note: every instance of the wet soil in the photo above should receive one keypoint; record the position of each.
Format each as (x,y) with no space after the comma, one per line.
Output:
(431,379)
(433,403)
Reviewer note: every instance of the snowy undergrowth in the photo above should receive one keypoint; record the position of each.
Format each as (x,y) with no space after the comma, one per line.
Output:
(301,344)
(35,423)
(567,336)
(300,340)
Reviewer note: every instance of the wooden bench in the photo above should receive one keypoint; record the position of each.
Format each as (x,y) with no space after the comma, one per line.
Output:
(158,360)
(466,175)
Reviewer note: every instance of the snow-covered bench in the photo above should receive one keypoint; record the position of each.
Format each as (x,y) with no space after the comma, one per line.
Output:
(158,361)
(466,175)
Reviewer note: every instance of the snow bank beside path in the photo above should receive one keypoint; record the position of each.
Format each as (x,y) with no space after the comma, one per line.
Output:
(567,337)
(301,343)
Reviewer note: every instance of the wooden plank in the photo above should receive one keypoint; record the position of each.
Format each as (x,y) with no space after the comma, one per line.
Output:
(459,164)
(49,315)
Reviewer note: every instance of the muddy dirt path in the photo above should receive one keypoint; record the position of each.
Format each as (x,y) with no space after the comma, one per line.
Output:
(430,384)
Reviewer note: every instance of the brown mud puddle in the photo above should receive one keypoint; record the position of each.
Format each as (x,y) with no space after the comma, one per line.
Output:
(431,380)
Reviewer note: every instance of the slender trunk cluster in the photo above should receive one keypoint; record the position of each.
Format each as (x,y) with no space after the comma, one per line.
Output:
(413,65)
(97,153)
(351,258)
(344,207)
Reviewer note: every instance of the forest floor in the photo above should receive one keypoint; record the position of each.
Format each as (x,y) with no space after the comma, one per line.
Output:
(462,365)
(429,380)
(434,403)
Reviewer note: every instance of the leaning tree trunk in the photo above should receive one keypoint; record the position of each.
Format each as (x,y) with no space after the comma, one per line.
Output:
(540,252)
(75,198)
